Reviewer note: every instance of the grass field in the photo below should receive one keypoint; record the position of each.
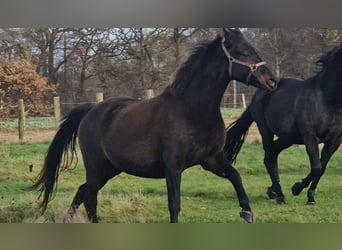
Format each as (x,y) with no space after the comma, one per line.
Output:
(205,197)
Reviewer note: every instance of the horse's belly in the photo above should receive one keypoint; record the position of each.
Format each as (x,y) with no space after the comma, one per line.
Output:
(291,139)
(146,172)
(290,136)
(139,161)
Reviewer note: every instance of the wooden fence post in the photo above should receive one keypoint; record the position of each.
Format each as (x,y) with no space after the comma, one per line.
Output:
(234,94)
(21,119)
(149,93)
(99,97)
(243,100)
(57,110)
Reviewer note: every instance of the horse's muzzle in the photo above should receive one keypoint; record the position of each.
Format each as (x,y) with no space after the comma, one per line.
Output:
(272,84)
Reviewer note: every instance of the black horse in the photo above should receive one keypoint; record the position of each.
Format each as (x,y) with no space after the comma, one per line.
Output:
(300,112)
(162,136)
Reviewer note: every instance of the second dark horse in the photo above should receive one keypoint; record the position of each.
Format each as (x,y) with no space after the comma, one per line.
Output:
(162,136)
(300,112)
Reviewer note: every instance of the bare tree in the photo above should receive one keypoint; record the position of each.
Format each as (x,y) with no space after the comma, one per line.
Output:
(12,44)
(179,36)
(48,45)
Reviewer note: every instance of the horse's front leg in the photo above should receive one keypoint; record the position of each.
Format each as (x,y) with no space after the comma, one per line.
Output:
(173,181)
(328,150)
(272,150)
(220,166)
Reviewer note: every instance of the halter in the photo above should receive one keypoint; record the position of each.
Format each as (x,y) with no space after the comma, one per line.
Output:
(252,67)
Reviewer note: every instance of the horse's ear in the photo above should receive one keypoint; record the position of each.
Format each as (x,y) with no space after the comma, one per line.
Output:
(226,36)
(229,33)
(236,30)
(226,33)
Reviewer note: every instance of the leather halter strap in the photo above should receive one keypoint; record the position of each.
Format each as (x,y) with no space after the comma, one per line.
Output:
(252,67)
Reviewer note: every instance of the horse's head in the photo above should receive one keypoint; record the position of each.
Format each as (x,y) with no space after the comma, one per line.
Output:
(329,75)
(245,65)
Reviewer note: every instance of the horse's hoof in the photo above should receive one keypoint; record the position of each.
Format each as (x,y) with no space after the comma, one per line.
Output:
(296,188)
(311,203)
(271,194)
(247,216)
(280,200)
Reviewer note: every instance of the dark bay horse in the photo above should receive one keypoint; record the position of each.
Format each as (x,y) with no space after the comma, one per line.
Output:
(162,136)
(299,112)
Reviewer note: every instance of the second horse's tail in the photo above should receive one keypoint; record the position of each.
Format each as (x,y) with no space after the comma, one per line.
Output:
(236,135)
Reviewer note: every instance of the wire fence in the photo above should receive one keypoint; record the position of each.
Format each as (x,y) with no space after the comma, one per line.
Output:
(22,122)
(231,106)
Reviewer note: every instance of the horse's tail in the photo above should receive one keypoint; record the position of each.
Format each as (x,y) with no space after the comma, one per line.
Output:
(60,155)
(236,135)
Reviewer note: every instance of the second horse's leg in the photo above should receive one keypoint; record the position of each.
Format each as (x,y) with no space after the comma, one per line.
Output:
(311,145)
(328,150)
(272,150)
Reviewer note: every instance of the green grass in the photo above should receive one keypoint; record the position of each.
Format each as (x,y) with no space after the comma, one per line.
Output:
(205,197)
(230,112)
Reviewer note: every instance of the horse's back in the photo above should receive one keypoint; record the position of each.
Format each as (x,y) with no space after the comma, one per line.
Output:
(92,126)
(131,138)
(278,110)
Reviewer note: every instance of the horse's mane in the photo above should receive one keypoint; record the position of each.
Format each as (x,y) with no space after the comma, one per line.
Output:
(193,65)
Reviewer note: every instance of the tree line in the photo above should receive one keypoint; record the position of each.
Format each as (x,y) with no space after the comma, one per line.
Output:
(76,62)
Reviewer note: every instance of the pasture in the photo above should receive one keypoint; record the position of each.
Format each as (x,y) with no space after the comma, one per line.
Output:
(205,197)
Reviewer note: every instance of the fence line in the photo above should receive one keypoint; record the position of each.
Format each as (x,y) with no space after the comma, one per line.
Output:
(241,101)
(75,103)
(57,113)
(99,98)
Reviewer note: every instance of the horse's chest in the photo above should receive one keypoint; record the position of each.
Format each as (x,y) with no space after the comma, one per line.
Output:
(330,129)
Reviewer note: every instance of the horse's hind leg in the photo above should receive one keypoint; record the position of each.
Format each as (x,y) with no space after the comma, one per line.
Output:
(220,166)
(95,181)
(97,176)
(272,152)
(78,199)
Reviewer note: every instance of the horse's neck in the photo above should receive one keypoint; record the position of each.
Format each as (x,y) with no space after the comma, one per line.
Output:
(332,89)
(201,87)
(205,101)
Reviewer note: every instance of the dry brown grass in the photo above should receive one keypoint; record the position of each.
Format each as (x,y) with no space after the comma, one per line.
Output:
(60,216)
(41,135)
(31,135)
(253,133)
